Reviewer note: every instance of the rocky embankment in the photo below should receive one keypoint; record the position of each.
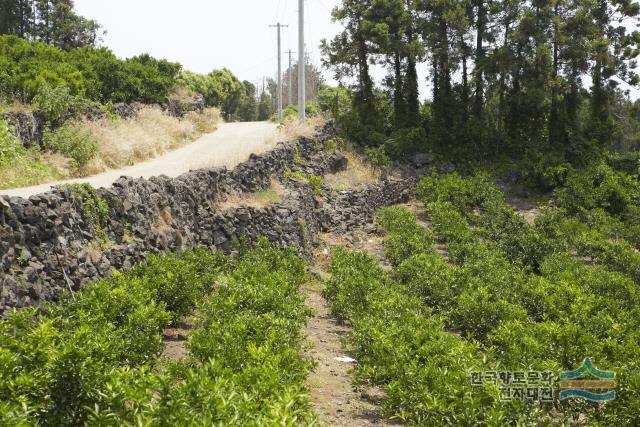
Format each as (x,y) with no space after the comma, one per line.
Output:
(50,243)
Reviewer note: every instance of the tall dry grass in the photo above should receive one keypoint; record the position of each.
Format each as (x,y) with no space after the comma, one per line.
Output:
(359,172)
(148,135)
(121,142)
(293,129)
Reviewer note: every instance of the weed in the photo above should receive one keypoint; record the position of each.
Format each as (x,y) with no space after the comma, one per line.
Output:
(72,140)
(315,180)
(95,208)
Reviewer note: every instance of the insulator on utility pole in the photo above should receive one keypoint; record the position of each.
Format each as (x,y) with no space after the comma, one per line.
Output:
(301,63)
(279,26)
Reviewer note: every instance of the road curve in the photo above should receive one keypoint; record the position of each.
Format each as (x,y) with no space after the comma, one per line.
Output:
(231,144)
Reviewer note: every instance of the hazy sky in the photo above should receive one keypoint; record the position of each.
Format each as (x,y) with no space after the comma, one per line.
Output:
(206,34)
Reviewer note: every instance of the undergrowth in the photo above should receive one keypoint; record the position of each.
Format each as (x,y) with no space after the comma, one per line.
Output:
(20,166)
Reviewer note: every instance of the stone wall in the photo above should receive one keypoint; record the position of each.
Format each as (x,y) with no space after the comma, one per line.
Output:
(27,126)
(47,237)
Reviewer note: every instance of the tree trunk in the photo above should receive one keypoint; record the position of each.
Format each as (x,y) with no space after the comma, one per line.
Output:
(465,81)
(413,105)
(479,62)
(554,125)
(367,107)
(398,98)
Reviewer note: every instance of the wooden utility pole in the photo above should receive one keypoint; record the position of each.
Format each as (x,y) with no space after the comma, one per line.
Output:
(279,26)
(301,63)
(290,89)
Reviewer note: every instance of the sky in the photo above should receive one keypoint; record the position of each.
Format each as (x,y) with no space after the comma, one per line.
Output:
(204,35)
(208,34)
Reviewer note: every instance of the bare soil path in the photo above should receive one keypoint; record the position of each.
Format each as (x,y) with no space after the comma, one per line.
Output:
(231,144)
(336,401)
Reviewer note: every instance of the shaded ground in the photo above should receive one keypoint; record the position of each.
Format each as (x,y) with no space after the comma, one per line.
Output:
(174,341)
(522,201)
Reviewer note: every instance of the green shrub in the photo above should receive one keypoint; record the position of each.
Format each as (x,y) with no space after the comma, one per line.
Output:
(402,347)
(466,195)
(377,156)
(179,280)
(545,172)
(19,166)
(510,294)
(430,278)
(406,141)
(74,141)
(65,355)
(477,313)
(11,149)
(335,100)
(55,103)
(448,224)
(599,186)
(354,277)
(93,360)
(36,70)
(405,237)
(628,162)
(94,206)
(517,239)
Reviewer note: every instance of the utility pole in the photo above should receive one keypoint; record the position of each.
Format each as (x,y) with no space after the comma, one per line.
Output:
(290,91)
(301,63)
(279,26)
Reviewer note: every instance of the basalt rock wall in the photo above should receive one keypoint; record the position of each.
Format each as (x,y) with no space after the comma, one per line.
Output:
(48,244)
(27,126)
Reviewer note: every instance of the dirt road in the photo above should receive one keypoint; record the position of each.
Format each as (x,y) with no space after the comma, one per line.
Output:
(231,144)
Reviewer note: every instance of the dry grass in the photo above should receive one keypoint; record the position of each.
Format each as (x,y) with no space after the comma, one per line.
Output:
(293,129)
(15,107)
(358,172)
(259,199)
(120,143)
(205,122)
(148,135)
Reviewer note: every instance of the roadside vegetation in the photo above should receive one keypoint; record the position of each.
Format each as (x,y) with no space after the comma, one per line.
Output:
(92,359)
(82,147)
(51,64)
(20,166)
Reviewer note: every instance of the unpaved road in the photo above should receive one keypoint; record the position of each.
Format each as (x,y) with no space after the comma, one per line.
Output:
(231,144)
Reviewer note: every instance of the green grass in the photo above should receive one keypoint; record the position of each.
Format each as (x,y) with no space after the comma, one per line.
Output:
(315,180)
(267,196)
(20,167)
